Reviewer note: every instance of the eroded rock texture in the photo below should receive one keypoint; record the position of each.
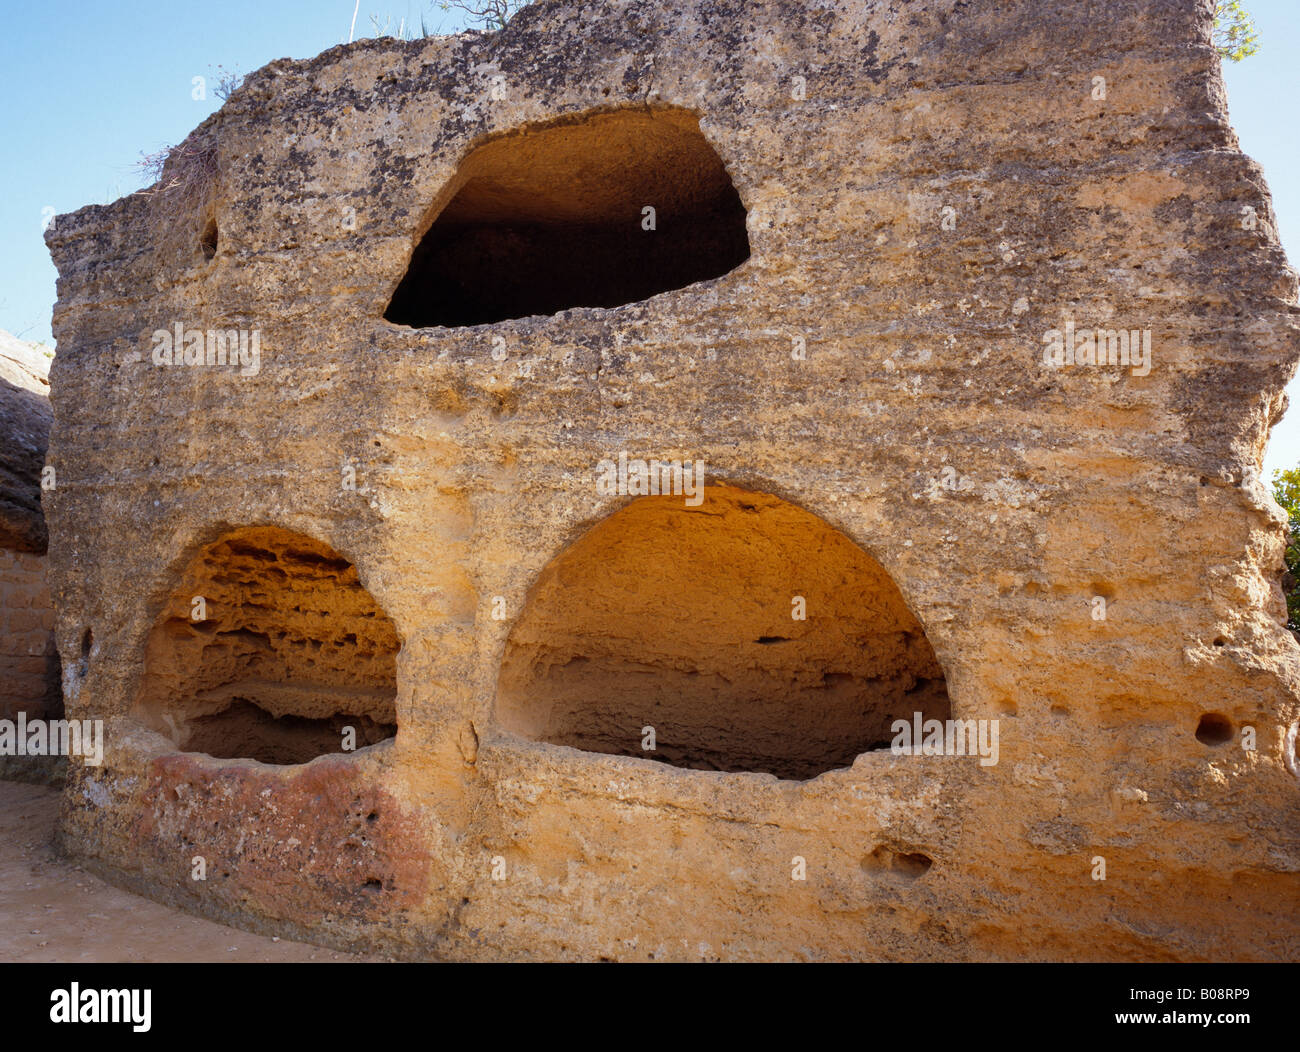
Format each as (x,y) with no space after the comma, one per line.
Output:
(29,660)
(719,655)
(538,221)
(25,412)
(431,241)
(268,649)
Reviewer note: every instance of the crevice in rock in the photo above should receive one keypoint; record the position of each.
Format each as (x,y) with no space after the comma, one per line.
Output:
(208,240)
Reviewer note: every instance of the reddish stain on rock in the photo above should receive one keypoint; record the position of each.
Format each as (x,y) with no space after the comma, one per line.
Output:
(300,844)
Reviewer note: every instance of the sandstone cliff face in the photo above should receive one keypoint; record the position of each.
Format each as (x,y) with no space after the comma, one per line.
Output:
(25,411)
(29,662)
(938,196)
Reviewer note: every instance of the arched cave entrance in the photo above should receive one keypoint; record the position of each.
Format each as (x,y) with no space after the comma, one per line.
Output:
(268,649)
(553,217)
(681,619)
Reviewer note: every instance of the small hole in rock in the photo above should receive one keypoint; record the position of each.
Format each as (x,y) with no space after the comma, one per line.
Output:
(83,667)
(885,862)
(1214,729)
(208,240)
(913,865)
(373,885)
(1220,642)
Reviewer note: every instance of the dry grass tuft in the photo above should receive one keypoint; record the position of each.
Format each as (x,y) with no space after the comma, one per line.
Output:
(183,198)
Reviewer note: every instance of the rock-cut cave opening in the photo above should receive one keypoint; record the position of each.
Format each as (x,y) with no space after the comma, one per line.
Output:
(594,211)
(269,648)
(685,622)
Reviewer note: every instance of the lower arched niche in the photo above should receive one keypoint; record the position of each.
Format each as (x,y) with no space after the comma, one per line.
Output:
(269,648)
(745,634)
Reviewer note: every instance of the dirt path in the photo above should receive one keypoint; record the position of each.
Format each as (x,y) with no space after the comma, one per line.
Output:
(53,911)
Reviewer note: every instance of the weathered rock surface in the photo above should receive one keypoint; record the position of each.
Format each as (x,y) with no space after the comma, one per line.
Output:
(29,662)
(25,414)
(930,190)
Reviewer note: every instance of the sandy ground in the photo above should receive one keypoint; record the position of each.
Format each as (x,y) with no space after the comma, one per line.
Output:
(51,910)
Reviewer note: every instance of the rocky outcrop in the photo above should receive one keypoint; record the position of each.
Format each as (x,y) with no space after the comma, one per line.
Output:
(26,416)
(29,661)
(983,376)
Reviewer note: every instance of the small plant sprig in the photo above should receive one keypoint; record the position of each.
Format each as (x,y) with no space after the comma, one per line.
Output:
(182,194)
(1235,35)
(486,14)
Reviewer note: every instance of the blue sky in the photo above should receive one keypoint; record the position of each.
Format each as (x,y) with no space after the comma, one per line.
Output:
(90,86)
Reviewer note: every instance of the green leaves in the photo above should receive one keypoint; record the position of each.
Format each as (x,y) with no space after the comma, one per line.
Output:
(1235,35)
(1286,491)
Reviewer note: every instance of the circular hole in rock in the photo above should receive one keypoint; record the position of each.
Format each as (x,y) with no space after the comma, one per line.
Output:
(1214,728)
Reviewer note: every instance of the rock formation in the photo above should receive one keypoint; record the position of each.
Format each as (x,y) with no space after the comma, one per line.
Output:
(384,409)
(25,410)
(29,663)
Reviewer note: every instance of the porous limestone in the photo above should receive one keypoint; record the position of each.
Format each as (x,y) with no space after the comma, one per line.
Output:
(830,251)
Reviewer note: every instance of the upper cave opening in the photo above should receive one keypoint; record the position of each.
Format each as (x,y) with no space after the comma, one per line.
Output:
(599,211)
